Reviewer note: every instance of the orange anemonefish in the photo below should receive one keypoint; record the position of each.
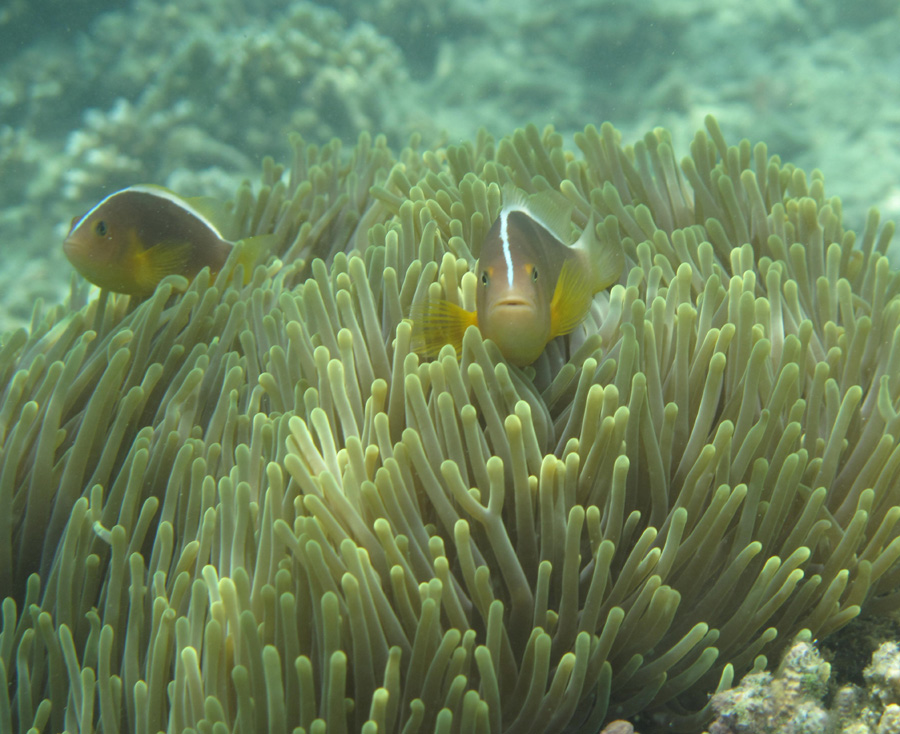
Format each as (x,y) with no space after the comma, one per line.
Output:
(135,237)
(531,286)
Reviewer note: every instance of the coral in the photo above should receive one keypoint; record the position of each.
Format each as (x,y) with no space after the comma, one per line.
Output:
(879,710)
(883,675)
(273,514)
(618,727)
(246,76)
(792,700)
(797,75)
(420,29)
(788,702)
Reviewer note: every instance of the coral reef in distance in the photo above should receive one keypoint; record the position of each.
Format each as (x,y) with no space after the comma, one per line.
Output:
(98,97)
(195,107)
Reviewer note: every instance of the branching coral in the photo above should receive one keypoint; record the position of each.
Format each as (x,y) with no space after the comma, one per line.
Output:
(268,501)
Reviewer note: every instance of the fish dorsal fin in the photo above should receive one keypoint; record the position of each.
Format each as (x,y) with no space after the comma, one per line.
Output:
(571,297)
(436,323)
(605,257)
(548,208)
(218,213)
(150,188)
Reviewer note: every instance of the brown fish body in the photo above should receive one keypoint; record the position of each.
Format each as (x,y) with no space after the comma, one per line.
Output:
(135,237)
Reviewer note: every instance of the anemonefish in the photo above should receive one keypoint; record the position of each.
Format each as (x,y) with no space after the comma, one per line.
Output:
(135,237)
(532,286)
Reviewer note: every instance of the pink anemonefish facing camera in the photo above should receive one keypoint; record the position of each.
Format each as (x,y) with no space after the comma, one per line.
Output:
(135,237)
(531,287)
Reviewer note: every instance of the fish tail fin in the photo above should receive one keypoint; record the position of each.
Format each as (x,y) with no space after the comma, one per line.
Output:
(605,258)
(436,323)
(254,250)
(571,297)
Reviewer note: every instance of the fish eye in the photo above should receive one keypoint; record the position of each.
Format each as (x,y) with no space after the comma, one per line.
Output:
(100,228)
(484,277)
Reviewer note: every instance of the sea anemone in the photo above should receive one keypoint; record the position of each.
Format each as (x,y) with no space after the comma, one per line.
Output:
(254,508)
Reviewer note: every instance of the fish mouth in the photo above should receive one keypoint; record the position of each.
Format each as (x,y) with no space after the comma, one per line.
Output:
(514,302)
(73,248)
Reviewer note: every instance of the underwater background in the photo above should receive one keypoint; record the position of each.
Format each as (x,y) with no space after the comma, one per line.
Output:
(95,96)
(193,95)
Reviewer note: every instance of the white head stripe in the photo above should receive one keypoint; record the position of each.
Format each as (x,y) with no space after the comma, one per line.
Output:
(504,240)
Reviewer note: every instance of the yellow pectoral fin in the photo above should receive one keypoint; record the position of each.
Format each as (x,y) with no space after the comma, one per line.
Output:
(436,323)
(571,297)
(157,262)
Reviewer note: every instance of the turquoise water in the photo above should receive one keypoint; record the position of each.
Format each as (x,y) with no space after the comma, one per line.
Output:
(96,96)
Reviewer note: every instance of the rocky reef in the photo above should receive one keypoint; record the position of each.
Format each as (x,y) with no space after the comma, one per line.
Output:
(800,697)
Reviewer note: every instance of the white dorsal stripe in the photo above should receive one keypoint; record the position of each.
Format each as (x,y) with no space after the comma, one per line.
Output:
(162,194)
(515,200)
(95,208)
(556,223)
(507,210)
(169,196)
(504,241)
